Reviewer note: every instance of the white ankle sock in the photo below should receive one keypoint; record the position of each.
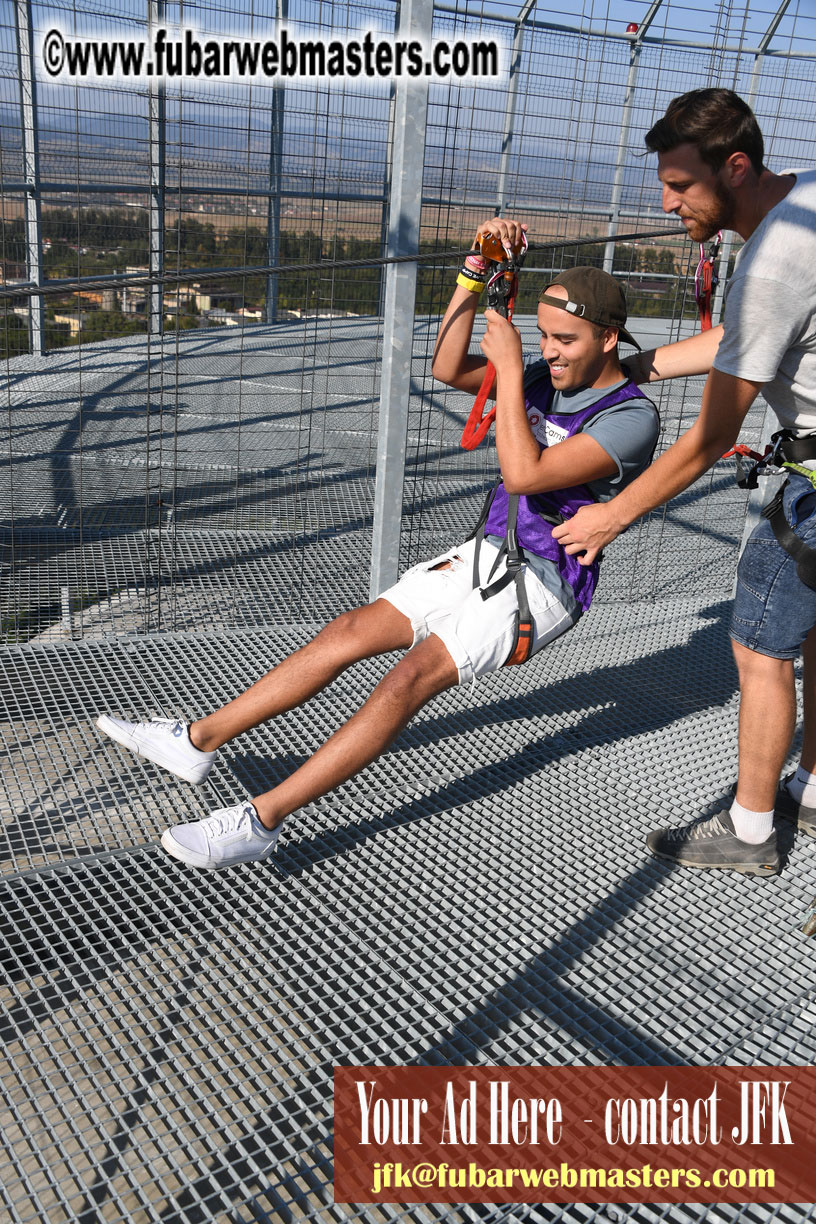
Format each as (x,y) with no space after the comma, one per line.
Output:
(802,787)
(751,827)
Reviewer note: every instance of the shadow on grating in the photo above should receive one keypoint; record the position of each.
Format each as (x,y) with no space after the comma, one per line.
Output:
(480,895)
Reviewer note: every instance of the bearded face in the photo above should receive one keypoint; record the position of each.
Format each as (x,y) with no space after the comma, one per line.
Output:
(701,198)
(711,215)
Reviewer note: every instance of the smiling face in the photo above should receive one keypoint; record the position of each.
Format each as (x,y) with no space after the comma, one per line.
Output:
(702,198)
(578,352)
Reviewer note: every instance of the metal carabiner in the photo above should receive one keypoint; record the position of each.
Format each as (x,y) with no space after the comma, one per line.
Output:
(706,279)
(503,284)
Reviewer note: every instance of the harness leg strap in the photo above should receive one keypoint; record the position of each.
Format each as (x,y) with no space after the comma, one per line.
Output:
(514,572)
(523,644)
(786,537)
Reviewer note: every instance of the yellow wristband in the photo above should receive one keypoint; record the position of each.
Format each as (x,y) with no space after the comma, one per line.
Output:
(473,285)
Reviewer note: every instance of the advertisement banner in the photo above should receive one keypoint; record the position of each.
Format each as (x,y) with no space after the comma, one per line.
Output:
(575,1134)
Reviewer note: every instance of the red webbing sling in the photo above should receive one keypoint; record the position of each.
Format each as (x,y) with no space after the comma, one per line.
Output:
(706,280)
(502,289)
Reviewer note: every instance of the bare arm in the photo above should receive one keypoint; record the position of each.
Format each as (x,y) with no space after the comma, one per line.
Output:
(726,401)
(525,467)
(695,355)
(452,363)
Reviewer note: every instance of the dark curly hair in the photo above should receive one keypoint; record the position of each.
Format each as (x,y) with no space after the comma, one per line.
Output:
(716,121)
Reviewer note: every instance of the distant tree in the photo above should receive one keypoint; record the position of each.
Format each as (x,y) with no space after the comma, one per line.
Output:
(13,336)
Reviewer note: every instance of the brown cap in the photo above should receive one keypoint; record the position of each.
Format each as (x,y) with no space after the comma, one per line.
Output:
(592,295)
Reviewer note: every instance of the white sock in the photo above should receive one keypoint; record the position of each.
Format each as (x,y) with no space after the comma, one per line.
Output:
(751,827)
(802,787)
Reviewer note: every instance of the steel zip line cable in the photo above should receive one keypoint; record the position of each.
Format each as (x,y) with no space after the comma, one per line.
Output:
(210,274)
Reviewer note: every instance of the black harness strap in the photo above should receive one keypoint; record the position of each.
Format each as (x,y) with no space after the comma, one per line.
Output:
(786,537)
(522,646)
(478,533)
(523,634)
(795,450)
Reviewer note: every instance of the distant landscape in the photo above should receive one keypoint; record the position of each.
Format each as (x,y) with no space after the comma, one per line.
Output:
(88,232)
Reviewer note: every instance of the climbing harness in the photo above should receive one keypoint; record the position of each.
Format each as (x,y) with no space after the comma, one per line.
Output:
(502,289)
(526,520)
(785,453)
(706,279)
(522,646)
(509,515)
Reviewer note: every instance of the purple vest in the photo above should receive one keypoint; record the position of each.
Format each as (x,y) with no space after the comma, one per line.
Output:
(533,530)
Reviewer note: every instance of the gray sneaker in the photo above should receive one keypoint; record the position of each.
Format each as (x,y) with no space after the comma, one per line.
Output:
(713,843)
(785,804)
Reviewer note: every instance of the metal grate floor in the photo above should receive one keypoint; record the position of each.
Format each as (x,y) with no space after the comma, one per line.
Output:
(480,895)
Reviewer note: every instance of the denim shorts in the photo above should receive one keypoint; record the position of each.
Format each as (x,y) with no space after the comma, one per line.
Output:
(774,610)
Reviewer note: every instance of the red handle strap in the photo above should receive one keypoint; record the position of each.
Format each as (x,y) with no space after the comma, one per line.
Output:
(476,428)
(705,278)
(477,425)
(745,452)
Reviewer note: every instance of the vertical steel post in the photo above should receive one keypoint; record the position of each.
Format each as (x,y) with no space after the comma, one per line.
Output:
(407,162)
(158,156)
(728,241)
(623,139)
(31,170)
(759,497)
(510,106)
(273,214)
(392,104)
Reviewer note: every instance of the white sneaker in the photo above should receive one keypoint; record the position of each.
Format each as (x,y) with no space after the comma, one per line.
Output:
(163,740)
(231,835)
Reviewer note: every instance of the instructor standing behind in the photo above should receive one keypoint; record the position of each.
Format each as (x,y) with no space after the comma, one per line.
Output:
(710,162)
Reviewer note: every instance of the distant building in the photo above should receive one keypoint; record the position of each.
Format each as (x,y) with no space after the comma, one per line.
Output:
(73,320)
(225,318)
(133,300)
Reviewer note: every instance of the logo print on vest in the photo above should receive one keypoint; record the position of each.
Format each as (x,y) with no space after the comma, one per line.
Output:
(546,432)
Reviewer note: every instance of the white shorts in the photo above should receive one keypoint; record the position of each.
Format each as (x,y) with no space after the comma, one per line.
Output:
(478,633)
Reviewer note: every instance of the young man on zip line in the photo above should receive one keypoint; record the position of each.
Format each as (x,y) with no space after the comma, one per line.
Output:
(710,162)
(570,429)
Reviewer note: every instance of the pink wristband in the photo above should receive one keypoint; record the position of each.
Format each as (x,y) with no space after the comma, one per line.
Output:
(477,263)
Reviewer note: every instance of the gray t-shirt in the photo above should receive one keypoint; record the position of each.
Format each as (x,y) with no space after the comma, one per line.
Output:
(770,309)
(628,433)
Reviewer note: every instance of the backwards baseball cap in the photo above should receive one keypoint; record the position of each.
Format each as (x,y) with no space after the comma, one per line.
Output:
(592,295)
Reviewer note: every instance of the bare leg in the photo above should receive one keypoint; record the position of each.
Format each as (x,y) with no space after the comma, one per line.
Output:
(426,670)
(766,724)
(809,693)
(372,630)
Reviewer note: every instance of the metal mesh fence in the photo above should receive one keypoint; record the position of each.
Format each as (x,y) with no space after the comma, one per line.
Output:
(203,427)
(200,428)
